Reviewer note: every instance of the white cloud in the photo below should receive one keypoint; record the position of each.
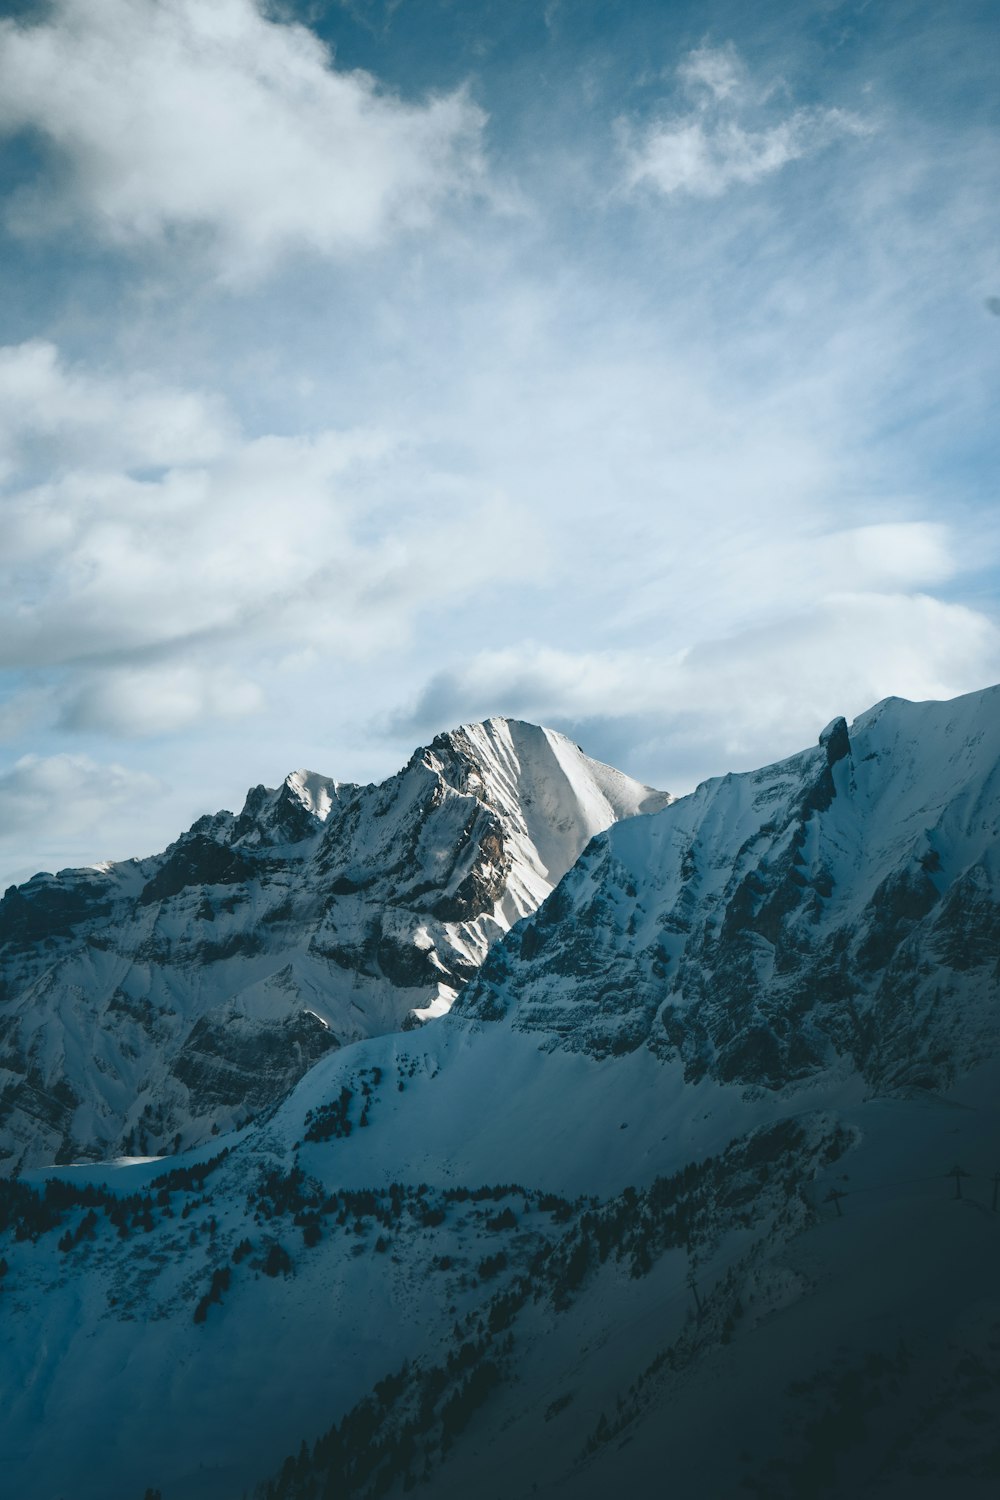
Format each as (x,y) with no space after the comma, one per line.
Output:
(60,811)
(717,440)
(730,703)
(56,415)
(719,70)
(159,700)
(178,116)
(71,792)
(162,591)
(730,136)
(751,570)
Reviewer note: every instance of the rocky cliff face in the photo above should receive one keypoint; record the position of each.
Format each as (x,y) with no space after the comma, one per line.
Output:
(842,904)
(148,1003)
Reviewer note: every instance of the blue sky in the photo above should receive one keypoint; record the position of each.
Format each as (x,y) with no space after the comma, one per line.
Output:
(369,367)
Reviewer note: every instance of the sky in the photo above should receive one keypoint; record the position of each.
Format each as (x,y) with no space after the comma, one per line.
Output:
(371,367)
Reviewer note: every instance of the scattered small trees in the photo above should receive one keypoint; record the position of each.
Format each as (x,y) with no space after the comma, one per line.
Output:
(277,1262)
(492,1265)
(221,1279)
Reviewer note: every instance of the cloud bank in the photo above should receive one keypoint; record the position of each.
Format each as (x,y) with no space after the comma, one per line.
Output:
(164,548)
(727,704)
(307,452)
(57,800)
(175,118)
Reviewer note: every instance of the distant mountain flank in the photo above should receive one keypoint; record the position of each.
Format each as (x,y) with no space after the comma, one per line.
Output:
(693,1190)
(149,1003)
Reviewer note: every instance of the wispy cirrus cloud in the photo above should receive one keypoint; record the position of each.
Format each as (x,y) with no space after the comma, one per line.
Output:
(734,131)
(717,71)
(217,123)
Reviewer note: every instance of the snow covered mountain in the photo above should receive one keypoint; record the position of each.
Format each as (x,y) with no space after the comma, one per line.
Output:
(842,905)
(693,1191)
(150,1003)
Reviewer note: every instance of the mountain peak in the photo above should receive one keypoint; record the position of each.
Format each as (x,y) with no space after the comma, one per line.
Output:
(551,796)
(322,913)
(316,793)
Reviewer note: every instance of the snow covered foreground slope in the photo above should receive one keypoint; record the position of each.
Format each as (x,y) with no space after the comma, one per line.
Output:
(147,1004)
(535,1249)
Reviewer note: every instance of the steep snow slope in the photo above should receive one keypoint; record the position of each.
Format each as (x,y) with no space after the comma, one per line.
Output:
(403,1242)
(146,1004)
(843,903)
(521,1255)
(670,1314)
(855,1351)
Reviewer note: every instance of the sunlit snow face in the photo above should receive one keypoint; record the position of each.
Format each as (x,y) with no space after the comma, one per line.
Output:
(365,373)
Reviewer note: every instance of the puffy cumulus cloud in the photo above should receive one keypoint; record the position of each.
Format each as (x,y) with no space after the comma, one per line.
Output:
(157,594)
(107,563)
(213,119)
(901,553)
(66,810)
(72,791)
(267,544)
(55,416)
(726,703)
(732,134)
(159,700)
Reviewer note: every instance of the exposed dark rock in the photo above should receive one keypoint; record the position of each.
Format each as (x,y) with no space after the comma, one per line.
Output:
(197,861)
(405,964)
(50,907)
(232,1062)
(836,741)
